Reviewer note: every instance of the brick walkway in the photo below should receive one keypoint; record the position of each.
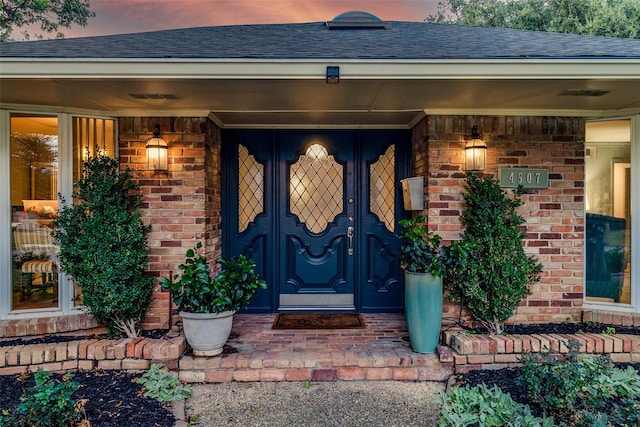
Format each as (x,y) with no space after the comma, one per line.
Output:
(256,352)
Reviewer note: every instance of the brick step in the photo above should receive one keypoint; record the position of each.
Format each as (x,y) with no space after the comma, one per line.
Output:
(317,365)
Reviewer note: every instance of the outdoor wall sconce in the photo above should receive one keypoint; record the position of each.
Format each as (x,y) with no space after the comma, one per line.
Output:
(157,152)
(475,152)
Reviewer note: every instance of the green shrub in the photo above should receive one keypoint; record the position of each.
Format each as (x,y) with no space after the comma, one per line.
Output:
(497,274)
(484,407)
(163,385)
(48,404)
(103,245)
(626,413)
(563,383)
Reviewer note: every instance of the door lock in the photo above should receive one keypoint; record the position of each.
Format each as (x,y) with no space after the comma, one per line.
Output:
(350,237)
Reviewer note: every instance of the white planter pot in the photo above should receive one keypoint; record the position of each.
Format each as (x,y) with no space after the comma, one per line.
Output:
(207,333)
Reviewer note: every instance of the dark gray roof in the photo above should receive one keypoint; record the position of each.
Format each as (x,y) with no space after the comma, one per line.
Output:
(400,40)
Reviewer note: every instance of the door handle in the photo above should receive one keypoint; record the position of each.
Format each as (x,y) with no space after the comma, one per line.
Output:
(350,237)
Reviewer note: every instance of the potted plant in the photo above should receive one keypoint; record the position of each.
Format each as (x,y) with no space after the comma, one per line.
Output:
(207,304)
(424,262)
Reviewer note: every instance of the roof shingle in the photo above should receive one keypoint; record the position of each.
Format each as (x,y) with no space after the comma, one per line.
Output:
(400,40)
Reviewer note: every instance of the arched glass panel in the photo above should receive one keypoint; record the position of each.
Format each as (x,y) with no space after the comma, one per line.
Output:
(316,188)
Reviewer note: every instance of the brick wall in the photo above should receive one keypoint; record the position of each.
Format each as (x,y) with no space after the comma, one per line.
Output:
(181,205)
(554,216)
(213,192)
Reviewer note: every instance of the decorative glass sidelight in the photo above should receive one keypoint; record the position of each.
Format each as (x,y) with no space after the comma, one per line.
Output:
(250,188)
(316,188)
(382,187)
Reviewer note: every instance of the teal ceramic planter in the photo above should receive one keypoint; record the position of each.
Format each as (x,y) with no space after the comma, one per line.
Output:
(423,307)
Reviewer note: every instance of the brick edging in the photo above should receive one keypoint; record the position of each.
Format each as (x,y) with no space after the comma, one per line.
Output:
(471,352)
(128,354)
(48,325)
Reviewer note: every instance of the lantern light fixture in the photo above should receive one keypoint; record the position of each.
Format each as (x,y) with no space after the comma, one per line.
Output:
(475,152)
(157,152)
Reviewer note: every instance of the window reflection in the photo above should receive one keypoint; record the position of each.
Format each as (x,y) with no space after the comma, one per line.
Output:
(608,216)
(34,205)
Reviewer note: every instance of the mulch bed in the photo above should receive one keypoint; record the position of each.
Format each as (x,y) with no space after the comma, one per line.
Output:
(52,339)
(507,379)
(114,399)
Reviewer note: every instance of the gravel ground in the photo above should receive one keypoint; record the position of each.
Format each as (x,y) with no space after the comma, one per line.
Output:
(327,404)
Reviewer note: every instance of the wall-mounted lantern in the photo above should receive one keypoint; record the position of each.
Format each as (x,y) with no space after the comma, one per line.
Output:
(157,152)
(475,152)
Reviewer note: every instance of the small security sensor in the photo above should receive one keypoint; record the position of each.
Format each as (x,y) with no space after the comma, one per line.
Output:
(333,75)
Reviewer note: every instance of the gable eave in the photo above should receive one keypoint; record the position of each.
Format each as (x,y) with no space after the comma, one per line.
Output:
(108,68)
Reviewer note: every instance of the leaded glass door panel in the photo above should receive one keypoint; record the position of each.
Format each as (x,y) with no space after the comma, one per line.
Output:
(318,213)
(317,230)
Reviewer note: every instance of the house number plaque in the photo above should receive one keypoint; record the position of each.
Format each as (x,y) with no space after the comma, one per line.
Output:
(528,178)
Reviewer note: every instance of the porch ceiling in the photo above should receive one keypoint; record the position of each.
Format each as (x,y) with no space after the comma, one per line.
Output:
(312,102)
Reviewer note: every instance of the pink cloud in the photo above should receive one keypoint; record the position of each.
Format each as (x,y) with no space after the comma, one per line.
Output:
(132,16)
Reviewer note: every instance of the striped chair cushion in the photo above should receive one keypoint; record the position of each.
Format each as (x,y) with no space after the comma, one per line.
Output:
(38,266)
(35,239)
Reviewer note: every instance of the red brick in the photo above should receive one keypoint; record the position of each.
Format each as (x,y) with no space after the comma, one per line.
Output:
(70,365)
(3,356)
(85,365)
(110,365)
(324,374)
(378,374)
(476,359)
(192,376)
(297,374)
(49,367)
(272,375)
(135,364)
(131,346)
(405,374)
(12,370)
(434,374)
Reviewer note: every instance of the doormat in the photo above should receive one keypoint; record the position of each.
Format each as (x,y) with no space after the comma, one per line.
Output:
(318,321)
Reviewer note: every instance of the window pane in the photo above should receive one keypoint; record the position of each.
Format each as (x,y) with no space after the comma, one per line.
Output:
(91,136)
(34,204)
(608,216)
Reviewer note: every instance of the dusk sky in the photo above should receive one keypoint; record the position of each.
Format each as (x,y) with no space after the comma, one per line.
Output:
(133,16)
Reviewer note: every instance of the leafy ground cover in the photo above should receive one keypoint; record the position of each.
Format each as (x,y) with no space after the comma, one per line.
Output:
(113,398)
(550,389)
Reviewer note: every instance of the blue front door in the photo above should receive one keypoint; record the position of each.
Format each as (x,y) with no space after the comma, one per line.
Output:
(318,212)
